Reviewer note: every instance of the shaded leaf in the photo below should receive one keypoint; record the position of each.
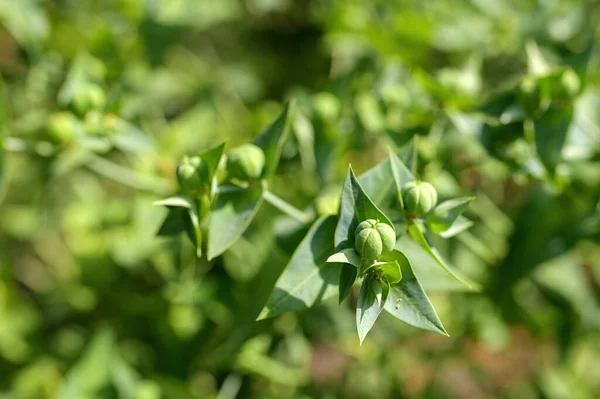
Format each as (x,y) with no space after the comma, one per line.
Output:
(348,255)
(367,309)
(417,234)
(231,216)
(173,224)
(91,372)
(445,214)
(551,133)
(308,278)
(348,276)
(407,300)
(272,139)
(402,175)
(460,224)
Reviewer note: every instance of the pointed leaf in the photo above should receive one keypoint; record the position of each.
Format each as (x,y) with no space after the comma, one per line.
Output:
(355,205)
(407,300)
(308,278)
(551,133)
(272,139)
(417,234)
(446,213)
(173,224)
(461,224)
(91,372)
(180,201)
(348,255)
(231,216)
(378,183)
(348,276)
(212,157)
(367,309)
(402,175)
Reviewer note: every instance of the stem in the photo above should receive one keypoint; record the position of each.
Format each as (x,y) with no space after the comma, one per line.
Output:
(302,217)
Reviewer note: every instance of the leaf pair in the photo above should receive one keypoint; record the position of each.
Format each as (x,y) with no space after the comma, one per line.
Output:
(230,209)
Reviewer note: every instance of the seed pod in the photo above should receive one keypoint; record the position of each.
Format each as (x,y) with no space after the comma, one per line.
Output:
(245,162)
(419,198)
(191,173)
(372,238)
(61,127)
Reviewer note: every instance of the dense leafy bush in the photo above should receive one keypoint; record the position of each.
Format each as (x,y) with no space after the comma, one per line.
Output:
(184,184)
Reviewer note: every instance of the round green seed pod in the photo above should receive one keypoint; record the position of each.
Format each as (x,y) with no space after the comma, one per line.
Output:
(245,162)
(61,127)
(373,238)
(419,198)
(191,173)
(90,97)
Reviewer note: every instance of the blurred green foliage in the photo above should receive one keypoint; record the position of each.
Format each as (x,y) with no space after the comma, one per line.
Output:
(100,99)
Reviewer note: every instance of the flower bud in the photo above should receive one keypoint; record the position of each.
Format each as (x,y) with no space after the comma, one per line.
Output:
(419,198)
(372,238)
(245,162)
(191,173)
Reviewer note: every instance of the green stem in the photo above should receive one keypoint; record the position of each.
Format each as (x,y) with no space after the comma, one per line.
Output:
(301,216)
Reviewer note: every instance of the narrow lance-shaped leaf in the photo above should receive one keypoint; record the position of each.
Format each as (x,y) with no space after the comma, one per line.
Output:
(355,205)
(273,137)
(348,276)
(444,215)
(211,159)
(367,309)
(402,175)
(407,300)
(231,216)
(417,234)
(551,133)
(308,278)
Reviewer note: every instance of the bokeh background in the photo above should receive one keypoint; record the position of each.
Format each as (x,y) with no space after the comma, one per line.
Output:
(100,99)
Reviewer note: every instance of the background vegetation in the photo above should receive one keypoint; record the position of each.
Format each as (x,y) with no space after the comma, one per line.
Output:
(100,100)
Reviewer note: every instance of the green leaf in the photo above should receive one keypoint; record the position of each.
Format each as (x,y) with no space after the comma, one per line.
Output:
(173,224)
(348,255)
(348,276)
(417,234)
(180,201)
(402,175)
(378,182)
(211,159)
(272,139)
(407,300)
(461,224)
(308,278)
(367,309)
(443,216)
(550,134)
(391,271)
(354,206)
(231,216)
(431,276)
(91,372)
